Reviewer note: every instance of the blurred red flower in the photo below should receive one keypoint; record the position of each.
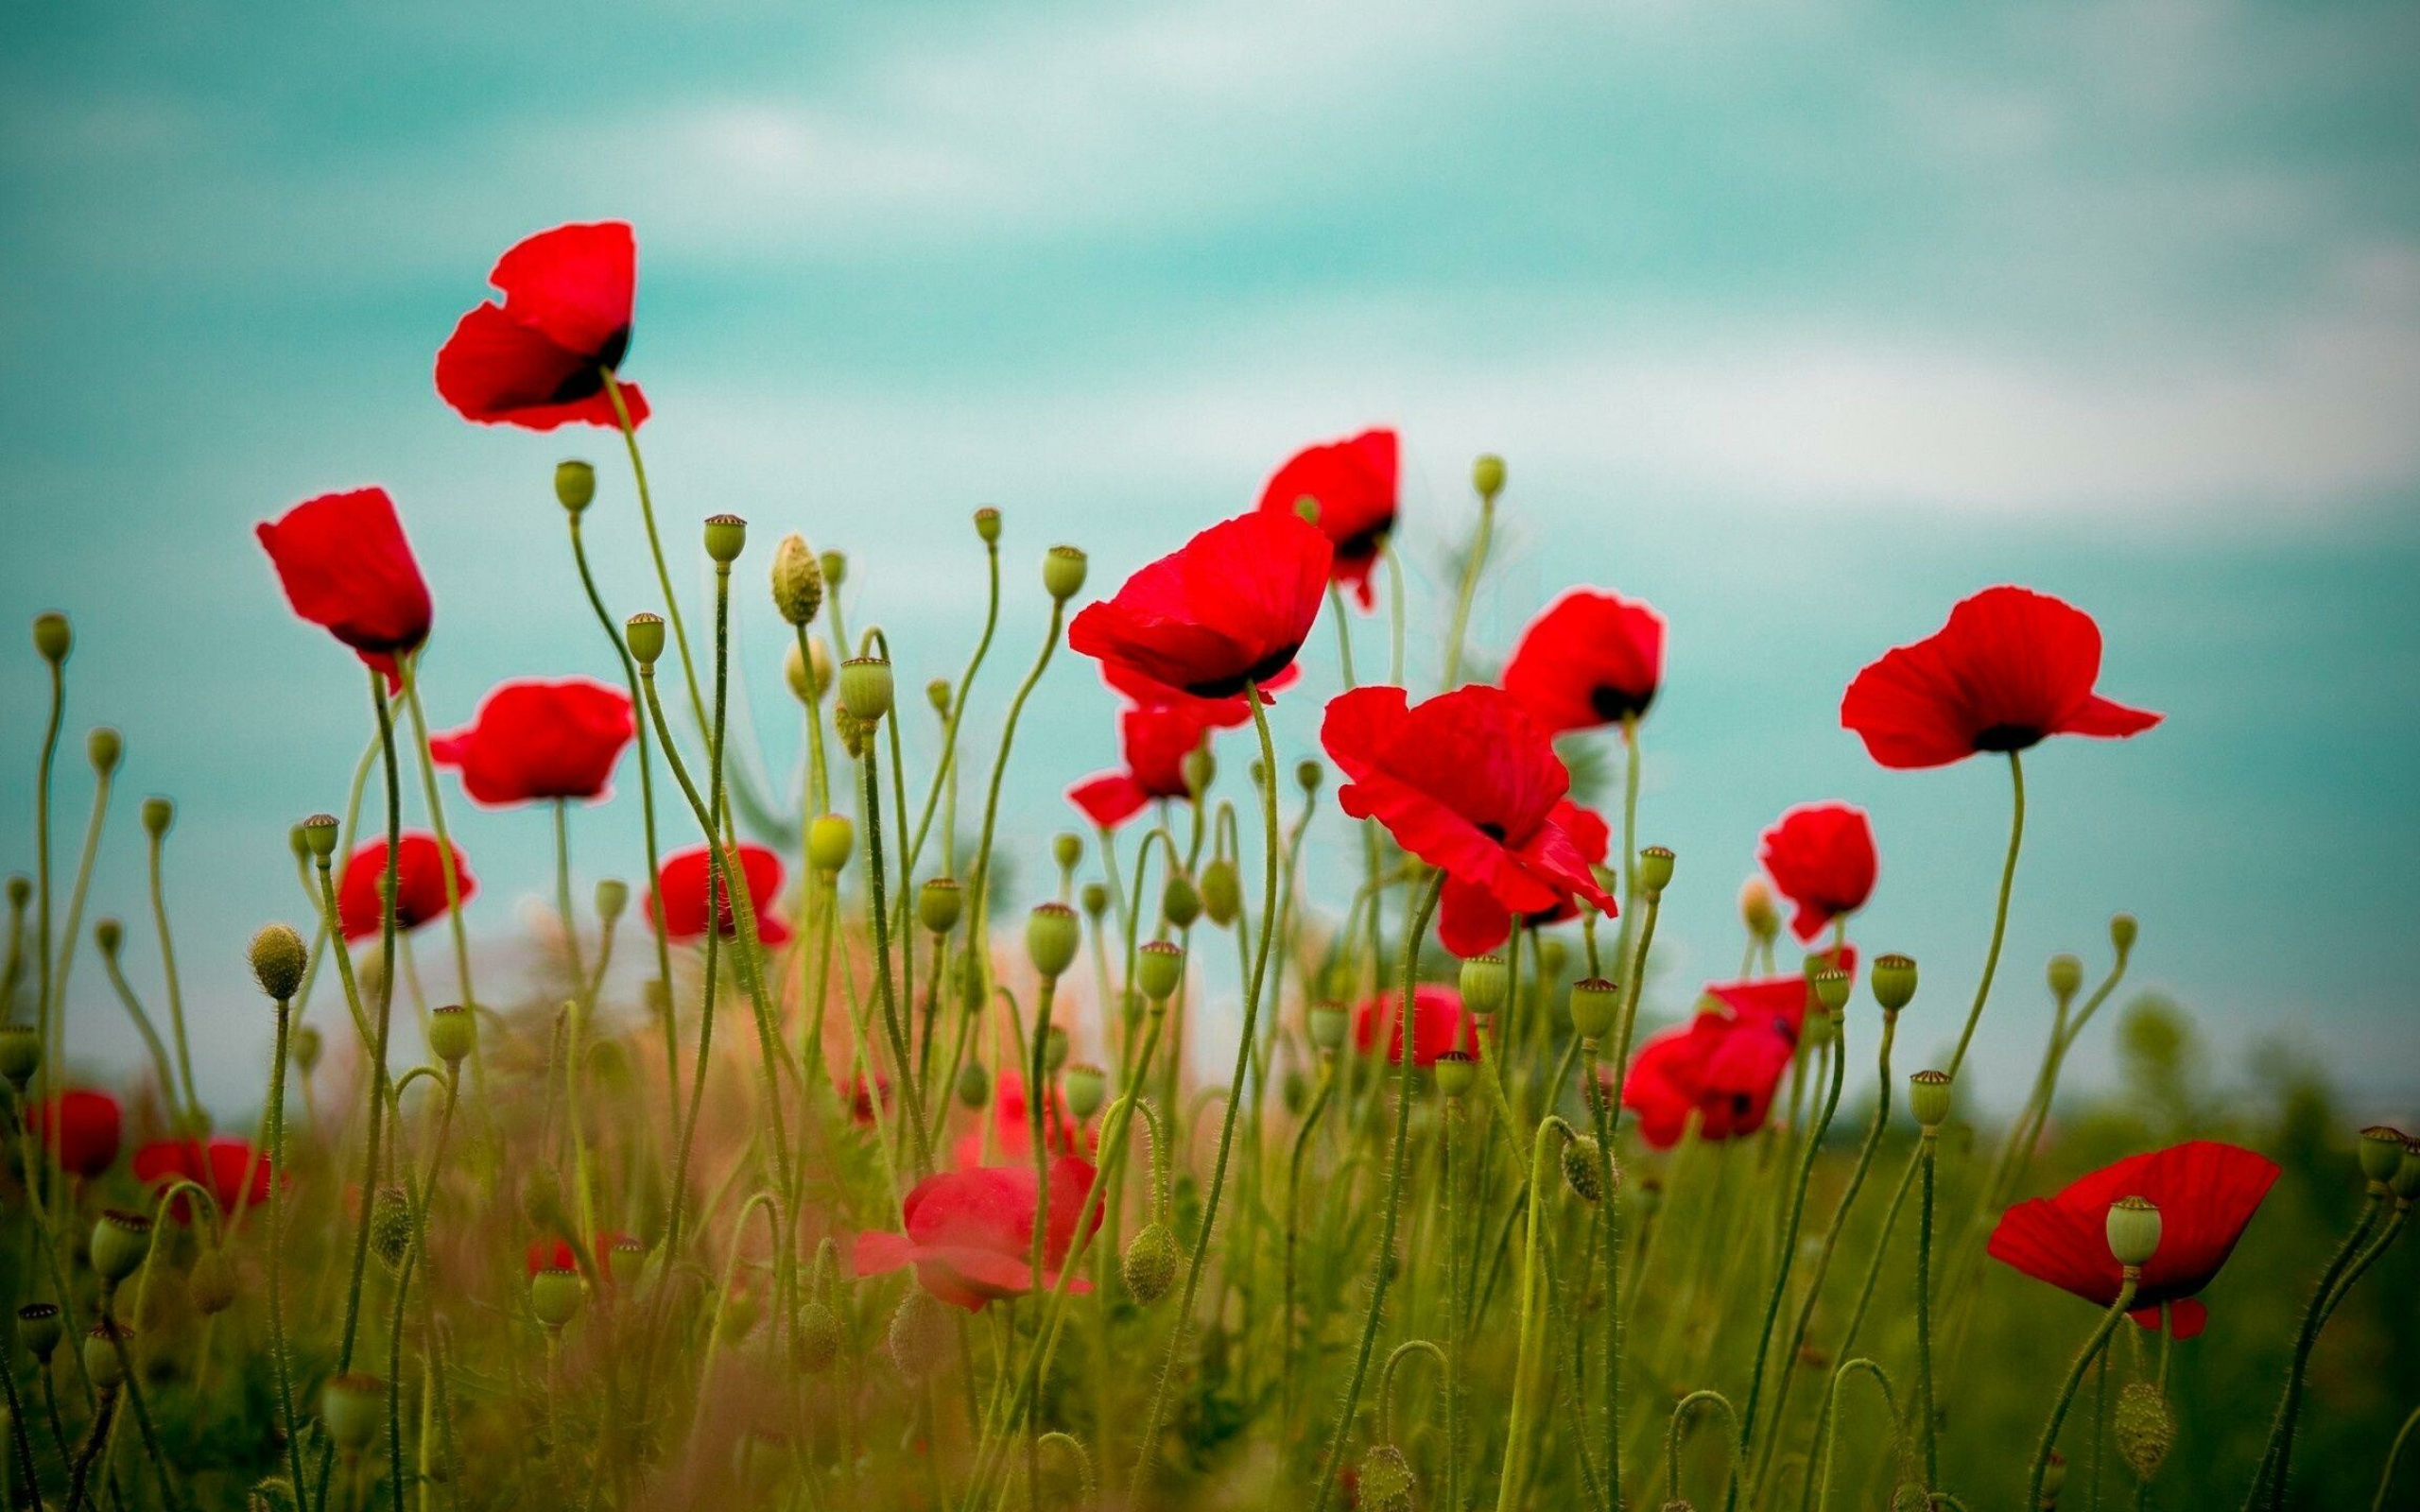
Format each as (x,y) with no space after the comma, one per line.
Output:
(1217,713)
(1720,1066)
(862,1098)
(346,567)
(533,739)
(1155,742)
(420,885)
(1468,783)
(1352,482)
(2206,1193)
(2010,668)
(558,1254)
(970,1233)
(83,1126)
(1821,856)
(1471,922)
(1439,1023)
(678,905)
(1228,609)
(1592,658)
(1013,1136)
(1782,1000)
(538,357)
(232,1170)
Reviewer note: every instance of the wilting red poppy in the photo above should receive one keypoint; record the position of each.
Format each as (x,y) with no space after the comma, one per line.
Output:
(678,905)
(1231,607)
(420,885)
(1155,742)
(1439,1023)
(2010,667)
(540,740)
(232,1170)
(1352,482)
(1781,1000)
(538,357)
(346,567)
(1592,658)
(2206,1193)
(1013,1136)
(970,1233)
(1471,922)
(556,1253)
(83,1126)
(1217,713)
(1468,783)
(1720,1067)
(1821,856)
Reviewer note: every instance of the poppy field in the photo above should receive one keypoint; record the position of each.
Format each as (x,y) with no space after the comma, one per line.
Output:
(868,1156)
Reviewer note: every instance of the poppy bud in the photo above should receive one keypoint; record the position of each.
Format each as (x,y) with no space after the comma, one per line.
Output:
(726,538)
(453,1033)
(1086,1088)
(1756,908)
(2066,974)
(1929,1098)
(555,1296)
(1457,1073)
(938,903)
(158,814)
(644,633)
(798,580)
(1179,904)
(1159,967)
(1066,849)
(920,1334)
(974,1084)
(319,832)
(2146,1430)
(210,1283)
(52,637)
(1149,1265)
(351,1407)
(1199,770)
(1094,898)
(866,688)
(936,693)
(1308,775)
(612,895)
(1222,892)
(1063,573)
(987,524)
(1384,1482)
(20,1053)
(1893,980)
(1051,938)
(39,1327)
(2123,930)
(101,1360)
(103,747)
(1596,1004)
(835,569)
(1832,990)
(817,1340)
(306,1047)
(108,935)
(120,1241)
(1654,870)
(1553,956)
(1328,1022)
(21,888)
(278,960)
(829,840)
(1487,475)
(2133,1231)
(1054,1048)
(1579,1171)
(1486,983)
(2381,1151)
(390,1224)
(575,485)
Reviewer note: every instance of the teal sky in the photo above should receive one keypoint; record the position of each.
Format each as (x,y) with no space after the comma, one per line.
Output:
(1799,320)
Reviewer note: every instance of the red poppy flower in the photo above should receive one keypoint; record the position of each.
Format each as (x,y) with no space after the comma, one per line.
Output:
(679,902)
(233,1170)
(1821,856)
(538,357)
(1592,658)
(1352,482)
(1719,1066)
(1013,1136)
(1156,742)
(556,1253)
(2010,667)
(1439,1023)
(1780,1000)
(346,567)
(1229,609)
(420,885)
(1217,713)
(862,1098)
(540,740)
(83,1126)
(2205,1192)
(1471,922)
(970,1233)
(1468,783)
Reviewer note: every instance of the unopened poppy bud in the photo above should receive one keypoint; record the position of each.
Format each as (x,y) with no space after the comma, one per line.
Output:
(2066,974)
(1063,573)
(817,1341)
(2133,1231)
(1756,908)
(1579,1171)
(1150,1264)
(1654,870)
(555,1296)
(797,667)
(1159,967)
(1893,980)
(279,957)
(20,1053)
(1328,1023)
(2146,1430)
(2123,932)
(306,1047)
(835,569)
(1832,990)
(612,895)
(938,904)
(1180,901)
(798,580)
(21,890)
(351,1408)
(1066,849)
(103,747)
(645,635)
(158,814)
(936,694)
(1094,899)
(1457,1073)
(2054,1478)
(453,1034)
(39,1328)
(829,840)
(575,483)
(1086,1087)
(102,1361)
(987,524)
(1222,892)
(120,1240)
(1199,769)
(1054,1048)
(1596,1004)
(108,935)
(726,538)
(1308,775)
(1486,983)
(391,1225)
(52,638)
(974,1084)
(1487,475)
(1929,1098)
(319,832)
(920,1334)
(1051,938)
(2381,1151)
(1385,1481)
(866,688)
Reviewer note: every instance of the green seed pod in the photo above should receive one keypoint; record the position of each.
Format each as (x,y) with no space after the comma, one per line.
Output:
(103,747)
(1180,902)
(1086,1087)
(1654,870)
(279,957)
(1094,899)
(211,1282)
(2405,1183)
(555,1296)
(1150,1264)
(1063,573)
(1199,770)
(306,1047)
(391,1225)
(1457,1074)
(2134,1230)
(1308,775)
(829,840)
(974,1084)
(159,813)
(835,569)
(1579,1171)
(2123,932)
(39,1328)
(798,580)
(986,526)
(866,688)
(1066,849)
(939,902)
(726,538)
(575,485)
(102,1361)
(612,895)
(818,1339)
(320,834)
(108,935)
(1756,908)
(2146,1430)
(645,635)
(1486,985)
(1222,892)
(2381,1151)
(352,1406)
(2066,974)
(1596,1004)
(1832,990)
(1894,981)
(1929,1098)
(21,890)
(1386,1480)
(20,1053)
(1487,475)
(52,638)
(1327,1022)
(453,1034)
(920,1334)
(1159,969)
(120,1241)
(1052,936)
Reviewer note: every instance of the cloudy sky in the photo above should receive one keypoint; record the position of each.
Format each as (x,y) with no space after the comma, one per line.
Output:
(1800,321)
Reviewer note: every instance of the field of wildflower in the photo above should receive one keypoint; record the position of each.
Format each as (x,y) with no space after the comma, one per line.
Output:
(858,1160)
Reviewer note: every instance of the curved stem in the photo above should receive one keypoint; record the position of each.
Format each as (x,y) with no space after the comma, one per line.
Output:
(176,992)
(2394,1457)
(1472,565)
(654,542)
(1999,913)
(1831,1420)
(1673,1442)
(2067,1395)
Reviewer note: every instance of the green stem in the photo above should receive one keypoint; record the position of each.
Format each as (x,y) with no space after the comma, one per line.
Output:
(655,542)
(279,1351)
(2394,1457)
(1511,1485)
(1999,913)
(1673,1443)
(2307,1336)
(2067,1395)
(176,992)
(1471,568)
(563,893)
(1928,1159)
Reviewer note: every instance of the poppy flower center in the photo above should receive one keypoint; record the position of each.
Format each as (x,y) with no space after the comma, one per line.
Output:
(1493,831)
(588,380)
(1612,705)
(1260,671)
(2007,737)
(1363,544)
